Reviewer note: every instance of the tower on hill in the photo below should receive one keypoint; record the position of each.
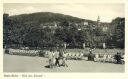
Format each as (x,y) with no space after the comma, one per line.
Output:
(98,21)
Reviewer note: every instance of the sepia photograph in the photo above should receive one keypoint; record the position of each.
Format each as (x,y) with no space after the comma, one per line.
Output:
(62,37)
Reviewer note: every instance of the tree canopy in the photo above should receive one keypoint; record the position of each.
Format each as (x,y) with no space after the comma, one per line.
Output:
(45,29)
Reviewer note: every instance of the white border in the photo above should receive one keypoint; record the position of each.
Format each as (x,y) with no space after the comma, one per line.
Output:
(68,75)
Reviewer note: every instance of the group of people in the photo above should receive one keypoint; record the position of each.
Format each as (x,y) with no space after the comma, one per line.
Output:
(57,57)
(119,59)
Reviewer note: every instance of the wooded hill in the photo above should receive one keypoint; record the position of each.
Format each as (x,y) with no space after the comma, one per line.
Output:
(53,29)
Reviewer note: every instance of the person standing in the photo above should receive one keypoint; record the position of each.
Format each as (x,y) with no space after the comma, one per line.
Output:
(57,58)
(91,56)
(64,58)
(50,58)
(118,58)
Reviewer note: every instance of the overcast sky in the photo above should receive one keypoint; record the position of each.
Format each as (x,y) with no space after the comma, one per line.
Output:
(91,11)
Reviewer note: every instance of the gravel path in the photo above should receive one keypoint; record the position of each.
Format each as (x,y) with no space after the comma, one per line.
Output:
(13,63)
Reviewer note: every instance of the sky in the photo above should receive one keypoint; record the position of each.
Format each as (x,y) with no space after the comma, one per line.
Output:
(91,11)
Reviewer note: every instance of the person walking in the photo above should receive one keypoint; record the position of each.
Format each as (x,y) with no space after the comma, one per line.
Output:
(57,58)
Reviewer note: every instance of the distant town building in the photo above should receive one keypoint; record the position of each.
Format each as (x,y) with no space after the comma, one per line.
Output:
(85,23)
(105,29)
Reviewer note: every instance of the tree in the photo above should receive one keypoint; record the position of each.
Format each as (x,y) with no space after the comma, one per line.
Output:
(117,32)
(7,30)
